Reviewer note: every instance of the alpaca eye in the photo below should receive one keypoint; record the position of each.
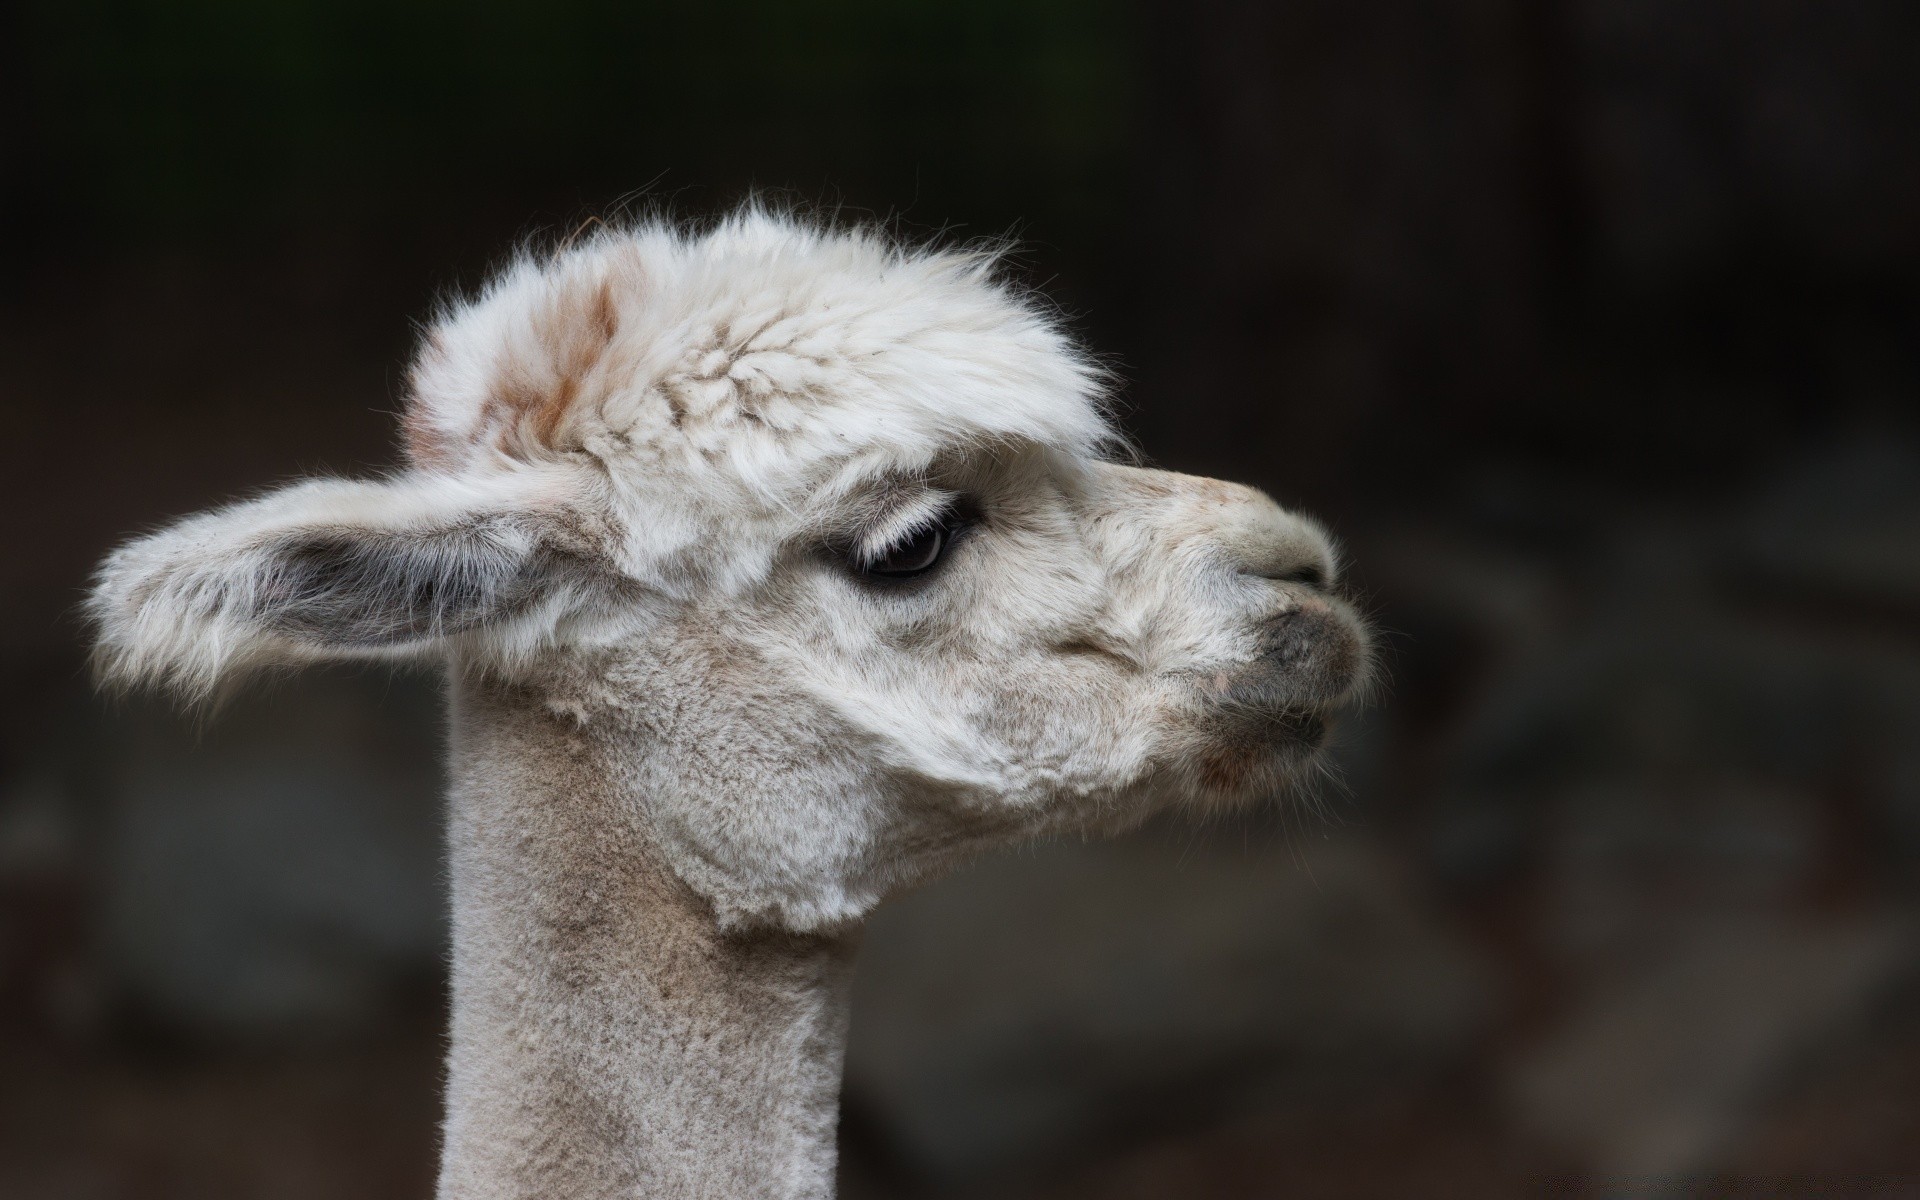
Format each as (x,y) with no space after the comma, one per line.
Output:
(918,550)
(913,556)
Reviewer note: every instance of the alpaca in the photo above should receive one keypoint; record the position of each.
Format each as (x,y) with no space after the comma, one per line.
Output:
(776,567)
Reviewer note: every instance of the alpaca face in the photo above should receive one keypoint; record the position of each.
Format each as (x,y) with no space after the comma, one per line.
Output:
(809,546)
(1065,645)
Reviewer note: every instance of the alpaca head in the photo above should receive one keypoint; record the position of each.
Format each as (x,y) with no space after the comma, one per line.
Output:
(810,547)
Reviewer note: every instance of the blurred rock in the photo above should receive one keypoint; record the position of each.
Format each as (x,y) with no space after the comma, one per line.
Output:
(1650,1079)
(37,829)
(1171,978)
(278,871)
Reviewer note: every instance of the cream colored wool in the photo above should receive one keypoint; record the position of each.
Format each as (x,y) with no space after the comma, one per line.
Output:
(694,742)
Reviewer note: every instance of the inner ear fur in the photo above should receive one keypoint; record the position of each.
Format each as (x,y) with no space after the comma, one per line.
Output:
(359,588)
(340,568)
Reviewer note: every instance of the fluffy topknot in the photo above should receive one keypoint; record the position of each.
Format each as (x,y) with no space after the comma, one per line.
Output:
(763,341)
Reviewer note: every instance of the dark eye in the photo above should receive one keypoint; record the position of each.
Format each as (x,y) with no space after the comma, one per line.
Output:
(916,554)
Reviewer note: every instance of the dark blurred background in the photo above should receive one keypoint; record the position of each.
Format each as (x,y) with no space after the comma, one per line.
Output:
(1588,325)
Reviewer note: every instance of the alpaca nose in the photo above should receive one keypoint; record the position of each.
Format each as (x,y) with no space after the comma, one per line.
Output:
(1266,541)
(1248,533)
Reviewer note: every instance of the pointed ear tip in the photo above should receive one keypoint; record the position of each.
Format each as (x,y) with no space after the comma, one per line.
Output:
(122,669)
(117,672)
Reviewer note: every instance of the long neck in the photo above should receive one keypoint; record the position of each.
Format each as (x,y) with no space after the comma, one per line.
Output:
(608,1038)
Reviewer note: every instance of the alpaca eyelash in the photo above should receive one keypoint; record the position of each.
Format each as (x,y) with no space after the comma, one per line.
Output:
(900,525)
(916,545)
(867,556)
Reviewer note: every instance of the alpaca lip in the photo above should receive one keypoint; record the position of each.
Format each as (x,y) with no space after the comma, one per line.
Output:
(1294,728)
(1310,659)
(1279,697)
(1263,707)
(1249,751)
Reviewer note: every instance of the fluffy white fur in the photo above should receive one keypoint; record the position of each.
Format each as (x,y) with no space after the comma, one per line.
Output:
(695,741)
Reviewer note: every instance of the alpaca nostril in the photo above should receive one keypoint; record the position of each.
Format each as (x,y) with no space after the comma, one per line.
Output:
(1312,575)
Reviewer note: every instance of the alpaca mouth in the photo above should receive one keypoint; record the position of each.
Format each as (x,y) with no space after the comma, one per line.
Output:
(1254,715)
(1253,748)
(1300,727)
(1279,704)
(1285,701)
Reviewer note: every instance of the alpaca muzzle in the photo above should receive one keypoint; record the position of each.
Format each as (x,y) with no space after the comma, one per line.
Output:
(1311,659)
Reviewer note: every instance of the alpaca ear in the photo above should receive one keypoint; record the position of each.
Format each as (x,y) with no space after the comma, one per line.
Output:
(338,569)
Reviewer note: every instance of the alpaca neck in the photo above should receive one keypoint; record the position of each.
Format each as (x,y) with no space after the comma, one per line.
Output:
(608,1039)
